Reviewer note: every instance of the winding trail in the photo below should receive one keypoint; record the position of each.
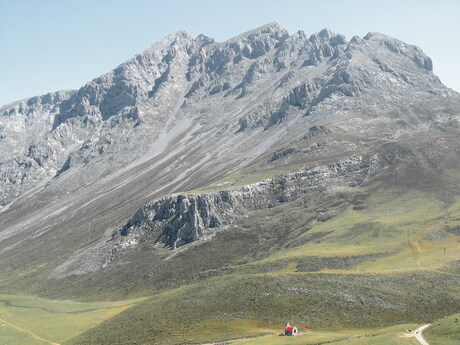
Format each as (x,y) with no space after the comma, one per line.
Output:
(418,333)
(29,333)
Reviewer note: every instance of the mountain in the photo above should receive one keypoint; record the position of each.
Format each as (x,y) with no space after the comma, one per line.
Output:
(198,163)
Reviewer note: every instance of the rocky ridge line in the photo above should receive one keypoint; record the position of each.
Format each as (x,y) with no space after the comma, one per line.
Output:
(180,219)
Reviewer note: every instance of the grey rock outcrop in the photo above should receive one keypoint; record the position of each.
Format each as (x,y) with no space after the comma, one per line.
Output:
(182,218)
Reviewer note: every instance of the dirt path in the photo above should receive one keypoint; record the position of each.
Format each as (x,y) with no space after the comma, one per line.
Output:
(29,333)
(418,333)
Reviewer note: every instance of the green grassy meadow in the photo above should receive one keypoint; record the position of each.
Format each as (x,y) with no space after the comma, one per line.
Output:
(445,331)
(375,336)
(348,264)
(31,320)
(411,227)
(344,260)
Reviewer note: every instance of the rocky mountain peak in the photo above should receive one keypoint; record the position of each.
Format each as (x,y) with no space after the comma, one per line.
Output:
(255,81)
(273,30)
(255,43)
(396,46)
(326,33)
(173,39)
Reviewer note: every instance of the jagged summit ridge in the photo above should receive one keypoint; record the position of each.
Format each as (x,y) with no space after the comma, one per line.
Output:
(413,52)
(253,82)
(274,29)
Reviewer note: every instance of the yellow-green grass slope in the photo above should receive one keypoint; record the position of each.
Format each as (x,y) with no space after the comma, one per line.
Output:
(395,335)
(411,230)
(30,320)
(356,259)
(445,331)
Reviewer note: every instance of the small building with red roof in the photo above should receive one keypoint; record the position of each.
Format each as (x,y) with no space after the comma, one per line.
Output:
(290,330)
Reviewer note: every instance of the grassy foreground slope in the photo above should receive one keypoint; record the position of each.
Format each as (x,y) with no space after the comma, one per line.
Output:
(30,320)
(375,336)
(314,300)
(355,260)
(445,331)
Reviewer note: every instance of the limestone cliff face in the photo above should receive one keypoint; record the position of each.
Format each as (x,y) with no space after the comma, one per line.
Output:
(182,218)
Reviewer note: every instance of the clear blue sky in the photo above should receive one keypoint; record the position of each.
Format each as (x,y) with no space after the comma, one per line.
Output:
(51,45)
